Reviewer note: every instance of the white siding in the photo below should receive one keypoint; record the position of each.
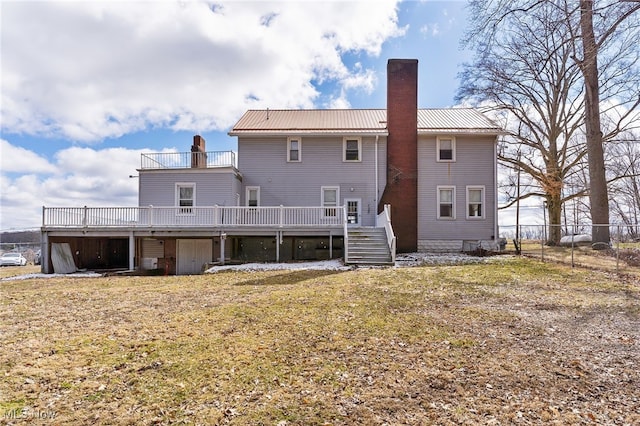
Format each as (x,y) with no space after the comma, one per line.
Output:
(474,165)
(263,163)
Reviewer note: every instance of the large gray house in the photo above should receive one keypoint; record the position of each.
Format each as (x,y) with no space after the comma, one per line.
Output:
(357,184)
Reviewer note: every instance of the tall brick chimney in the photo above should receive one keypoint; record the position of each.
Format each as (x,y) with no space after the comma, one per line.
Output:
(198,153)
(402,152)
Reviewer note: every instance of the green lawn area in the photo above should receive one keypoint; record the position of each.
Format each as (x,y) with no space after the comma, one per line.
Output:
(510,341)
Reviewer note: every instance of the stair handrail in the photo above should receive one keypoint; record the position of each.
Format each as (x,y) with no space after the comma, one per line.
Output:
(384,221)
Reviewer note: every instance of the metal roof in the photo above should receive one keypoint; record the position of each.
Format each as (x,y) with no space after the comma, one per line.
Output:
(358,121)
(465,120)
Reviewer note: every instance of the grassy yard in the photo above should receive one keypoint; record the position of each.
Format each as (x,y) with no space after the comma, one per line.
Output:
(514,341)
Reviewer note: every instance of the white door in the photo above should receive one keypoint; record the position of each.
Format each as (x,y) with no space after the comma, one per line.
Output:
(354,214)
(192,255)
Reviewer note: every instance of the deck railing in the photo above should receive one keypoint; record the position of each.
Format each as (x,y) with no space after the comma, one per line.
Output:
(214,216)
(186,160)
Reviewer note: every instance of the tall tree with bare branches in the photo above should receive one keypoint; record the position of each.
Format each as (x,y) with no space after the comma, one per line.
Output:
(603,68)
(524,71)
(592,49)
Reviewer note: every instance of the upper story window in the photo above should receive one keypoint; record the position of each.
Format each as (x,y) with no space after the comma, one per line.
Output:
(352,149)
(446,148)
(253,196)
(294,149)
(475,202)
(446,202)
(185,197)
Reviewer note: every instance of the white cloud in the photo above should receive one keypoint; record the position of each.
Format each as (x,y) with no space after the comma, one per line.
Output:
(91,70)
(77,177)
(16,159)
(430,30)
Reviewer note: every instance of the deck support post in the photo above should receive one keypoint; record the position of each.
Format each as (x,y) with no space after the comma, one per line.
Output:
(223,238)
(132,251)
(330,245)
(45,264)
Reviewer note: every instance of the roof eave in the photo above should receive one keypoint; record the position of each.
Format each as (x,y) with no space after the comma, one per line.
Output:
(462,131)
(297,132)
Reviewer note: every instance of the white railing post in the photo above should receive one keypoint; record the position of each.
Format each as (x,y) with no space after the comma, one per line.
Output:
(84,216)
(281,215)
(150,215)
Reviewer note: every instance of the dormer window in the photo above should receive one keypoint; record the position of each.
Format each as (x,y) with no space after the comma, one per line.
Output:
(294,150)
(352,149)
(446,149)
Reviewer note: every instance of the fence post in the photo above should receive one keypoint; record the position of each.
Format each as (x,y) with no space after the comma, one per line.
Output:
(84,216)
(572,249)
(618,251)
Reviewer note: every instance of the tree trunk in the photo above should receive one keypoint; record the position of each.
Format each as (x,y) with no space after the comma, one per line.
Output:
(598,195)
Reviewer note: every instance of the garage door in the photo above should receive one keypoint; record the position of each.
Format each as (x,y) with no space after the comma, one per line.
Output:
(192,255)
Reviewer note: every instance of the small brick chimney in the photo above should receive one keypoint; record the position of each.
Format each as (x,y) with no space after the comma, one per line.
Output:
(198,153)
(402,151)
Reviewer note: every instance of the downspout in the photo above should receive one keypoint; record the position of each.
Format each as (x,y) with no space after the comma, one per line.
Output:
(376,174)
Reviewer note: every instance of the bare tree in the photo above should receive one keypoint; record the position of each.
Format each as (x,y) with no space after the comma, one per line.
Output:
(602,44)
(592,46)
(524,69)
(623,163)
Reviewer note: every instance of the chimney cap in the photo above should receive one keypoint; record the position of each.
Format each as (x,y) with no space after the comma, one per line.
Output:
(402,60)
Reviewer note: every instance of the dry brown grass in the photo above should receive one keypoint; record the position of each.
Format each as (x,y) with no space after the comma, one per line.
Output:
(623,260)
(516,341)
(12,271)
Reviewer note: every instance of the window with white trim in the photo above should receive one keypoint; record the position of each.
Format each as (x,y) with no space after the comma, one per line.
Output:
(352,149)
(185,197)
(330,196)
(294,149)
(475,202)
(446,202)
(253,196)
(446,149)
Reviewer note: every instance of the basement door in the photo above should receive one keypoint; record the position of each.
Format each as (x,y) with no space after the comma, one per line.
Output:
(353,211)
(192,255)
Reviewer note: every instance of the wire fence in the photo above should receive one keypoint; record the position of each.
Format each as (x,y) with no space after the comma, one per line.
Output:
(573,245)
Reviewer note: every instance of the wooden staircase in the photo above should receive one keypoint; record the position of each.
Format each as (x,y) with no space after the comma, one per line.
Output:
(368,246)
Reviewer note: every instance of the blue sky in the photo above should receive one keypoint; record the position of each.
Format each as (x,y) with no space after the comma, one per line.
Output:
(88,86)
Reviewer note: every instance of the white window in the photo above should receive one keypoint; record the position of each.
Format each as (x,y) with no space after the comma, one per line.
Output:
(294,149)
(185,197)
(446,202)
(330,196)
(475,202)
(253,196)
(352,149)
(446,147)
